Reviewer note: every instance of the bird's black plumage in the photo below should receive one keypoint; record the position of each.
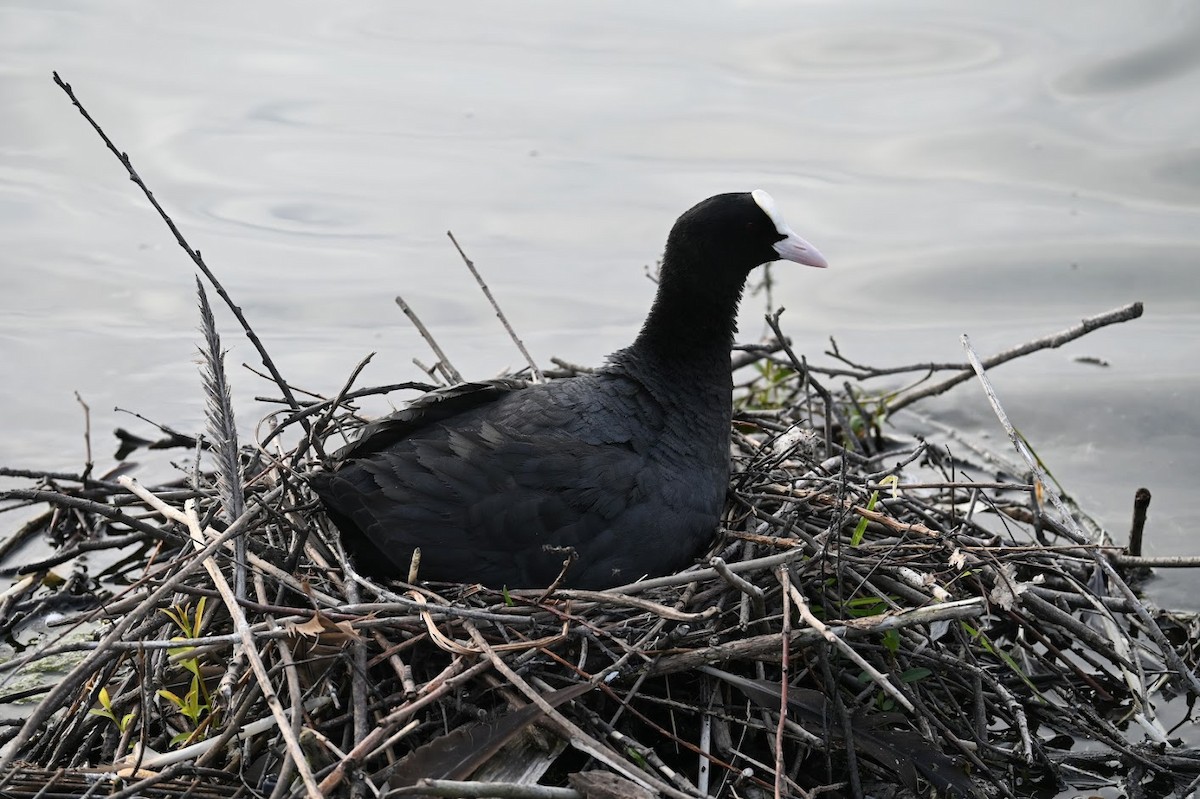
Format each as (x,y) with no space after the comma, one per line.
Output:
(625,468)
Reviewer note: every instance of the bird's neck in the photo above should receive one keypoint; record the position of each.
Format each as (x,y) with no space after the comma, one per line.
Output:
(691,324)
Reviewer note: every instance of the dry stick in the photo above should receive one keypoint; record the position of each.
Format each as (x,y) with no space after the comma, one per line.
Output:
(1123,314)
(829,635)
(479,790)
(452,373)
(1163,562)
(538,377)
(1172,657)
(241,626)
(87,436)
(193,254)
(56,498)
(785,580)
(801,366)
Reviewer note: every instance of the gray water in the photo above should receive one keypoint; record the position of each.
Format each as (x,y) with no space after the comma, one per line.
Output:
(999,169)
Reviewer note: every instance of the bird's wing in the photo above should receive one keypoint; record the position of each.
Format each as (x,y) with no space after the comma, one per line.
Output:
(429,408)
(484,494)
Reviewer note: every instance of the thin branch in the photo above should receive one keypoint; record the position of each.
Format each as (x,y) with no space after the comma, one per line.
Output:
(193,254)
(454,375)
(1122,314)
(538,377)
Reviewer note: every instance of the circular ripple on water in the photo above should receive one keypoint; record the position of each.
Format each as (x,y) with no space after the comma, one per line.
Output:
(307,216)
(868,52)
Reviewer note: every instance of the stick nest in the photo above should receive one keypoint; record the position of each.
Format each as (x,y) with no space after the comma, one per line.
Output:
(879,614)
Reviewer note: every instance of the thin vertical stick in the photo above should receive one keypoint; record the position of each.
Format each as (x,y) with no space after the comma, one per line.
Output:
(538,377)
(785,580)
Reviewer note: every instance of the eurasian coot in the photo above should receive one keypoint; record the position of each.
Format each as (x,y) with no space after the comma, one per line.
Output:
(623,471)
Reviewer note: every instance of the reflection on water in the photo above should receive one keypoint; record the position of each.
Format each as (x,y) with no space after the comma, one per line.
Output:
(1001,169)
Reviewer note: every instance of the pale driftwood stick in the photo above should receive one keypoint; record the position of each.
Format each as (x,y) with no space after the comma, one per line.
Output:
(785,582)
(249,650)
(538,377)
(1172,657)
(457,789)
(1163,562)
(876,676)
(193,254)
(1123,314)
(451,372)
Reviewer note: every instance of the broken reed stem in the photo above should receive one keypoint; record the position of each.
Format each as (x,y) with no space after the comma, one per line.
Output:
(1141,505)
(538,377)
(452,373)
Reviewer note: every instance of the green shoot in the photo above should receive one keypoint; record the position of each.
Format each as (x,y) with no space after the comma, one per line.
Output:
(106,711)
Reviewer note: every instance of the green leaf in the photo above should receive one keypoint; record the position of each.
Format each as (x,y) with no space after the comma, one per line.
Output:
(891,641)
(196,626)
(915,674)
(861,529)
(171,697)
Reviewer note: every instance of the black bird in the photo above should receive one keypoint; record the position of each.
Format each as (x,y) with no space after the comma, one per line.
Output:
(623,470)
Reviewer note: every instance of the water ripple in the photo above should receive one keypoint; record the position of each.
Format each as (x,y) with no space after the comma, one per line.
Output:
(868,52)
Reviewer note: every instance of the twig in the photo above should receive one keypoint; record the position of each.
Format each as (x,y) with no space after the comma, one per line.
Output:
(538,377)
(1123,314)
(193,254)
(478,790)
(785,580)
(454,375)
(87,436)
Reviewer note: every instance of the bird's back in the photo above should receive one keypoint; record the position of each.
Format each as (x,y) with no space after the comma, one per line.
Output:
(518,480)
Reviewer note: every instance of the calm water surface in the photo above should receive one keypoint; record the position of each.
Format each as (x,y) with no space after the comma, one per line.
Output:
(996,169)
